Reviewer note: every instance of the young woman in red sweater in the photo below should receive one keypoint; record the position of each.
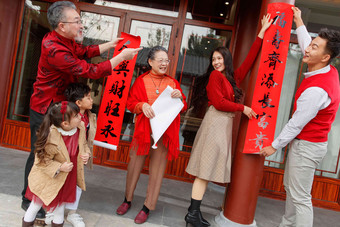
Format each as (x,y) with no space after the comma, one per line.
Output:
(210,158)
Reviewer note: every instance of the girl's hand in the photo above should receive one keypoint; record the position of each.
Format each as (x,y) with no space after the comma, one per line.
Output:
(85,158)
(266,22)
(249,112)
(148,111)
(66,167)
(176,94)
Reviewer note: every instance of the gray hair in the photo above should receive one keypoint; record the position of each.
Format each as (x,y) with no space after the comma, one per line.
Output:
(55,12)
(153,52)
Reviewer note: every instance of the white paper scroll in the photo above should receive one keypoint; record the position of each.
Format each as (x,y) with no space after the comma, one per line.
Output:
(166,109)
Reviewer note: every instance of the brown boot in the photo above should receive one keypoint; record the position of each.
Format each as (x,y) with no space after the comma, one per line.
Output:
(57,225)
(27,224)
(39,222)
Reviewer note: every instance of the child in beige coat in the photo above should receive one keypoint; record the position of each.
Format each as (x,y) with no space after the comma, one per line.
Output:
(58,171)
(80,94)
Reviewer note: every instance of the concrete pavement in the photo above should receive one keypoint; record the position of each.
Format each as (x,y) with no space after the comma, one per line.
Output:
(105,192)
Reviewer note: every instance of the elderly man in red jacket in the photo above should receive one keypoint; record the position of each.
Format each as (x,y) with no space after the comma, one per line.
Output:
(61,63)
(316,103)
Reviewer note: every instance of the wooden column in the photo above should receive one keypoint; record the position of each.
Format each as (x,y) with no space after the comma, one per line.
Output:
(247,170)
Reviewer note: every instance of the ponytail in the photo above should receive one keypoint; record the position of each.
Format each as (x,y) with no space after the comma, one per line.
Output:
(42,134)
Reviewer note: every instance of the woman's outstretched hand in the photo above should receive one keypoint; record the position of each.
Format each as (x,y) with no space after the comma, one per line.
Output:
(266,22)
(249,112)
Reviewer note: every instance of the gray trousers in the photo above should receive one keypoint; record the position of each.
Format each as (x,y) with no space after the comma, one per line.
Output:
(303,159)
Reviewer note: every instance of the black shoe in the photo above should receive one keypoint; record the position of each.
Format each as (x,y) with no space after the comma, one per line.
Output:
(204,222)
(26,203)
(194,217)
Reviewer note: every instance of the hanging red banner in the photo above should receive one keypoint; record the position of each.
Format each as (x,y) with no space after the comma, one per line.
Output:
(112,107)
(266,98)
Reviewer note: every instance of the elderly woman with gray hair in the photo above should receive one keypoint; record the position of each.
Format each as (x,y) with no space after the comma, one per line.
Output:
(142,95)
(61,63)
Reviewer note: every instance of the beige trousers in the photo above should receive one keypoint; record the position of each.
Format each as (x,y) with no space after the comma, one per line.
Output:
(157,165)
(303,158)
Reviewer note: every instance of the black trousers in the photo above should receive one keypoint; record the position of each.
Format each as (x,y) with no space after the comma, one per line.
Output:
(35,121)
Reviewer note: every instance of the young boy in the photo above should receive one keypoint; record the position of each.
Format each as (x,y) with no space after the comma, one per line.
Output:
(80,94)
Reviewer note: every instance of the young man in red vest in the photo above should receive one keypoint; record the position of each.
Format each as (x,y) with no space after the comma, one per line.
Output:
(316,103)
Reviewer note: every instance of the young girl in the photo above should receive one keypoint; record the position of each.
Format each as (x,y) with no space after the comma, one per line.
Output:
(60,154)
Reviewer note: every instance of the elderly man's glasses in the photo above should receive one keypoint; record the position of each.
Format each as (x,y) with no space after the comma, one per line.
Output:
(72,22)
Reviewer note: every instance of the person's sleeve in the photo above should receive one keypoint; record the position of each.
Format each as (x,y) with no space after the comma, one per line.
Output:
(215,96)
(134,102)
(304,39)
(308,105)
(85,143)
(86,51)
(242,71)
(49,165)
(64,61)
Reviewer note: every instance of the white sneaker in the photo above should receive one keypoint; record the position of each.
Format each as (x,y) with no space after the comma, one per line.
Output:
(76,220)
(48,218)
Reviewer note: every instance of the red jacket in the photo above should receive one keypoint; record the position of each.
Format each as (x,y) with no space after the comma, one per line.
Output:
(318,128)
(61,63)
(141,137)
(220,92)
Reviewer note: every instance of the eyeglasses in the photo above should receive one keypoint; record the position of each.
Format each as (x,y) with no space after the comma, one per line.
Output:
(72,22)
(160,61)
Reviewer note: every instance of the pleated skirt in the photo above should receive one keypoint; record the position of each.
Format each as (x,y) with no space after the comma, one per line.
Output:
(210,157)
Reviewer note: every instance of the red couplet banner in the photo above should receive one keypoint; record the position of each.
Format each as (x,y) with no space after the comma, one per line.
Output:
(266,98)
(112,107)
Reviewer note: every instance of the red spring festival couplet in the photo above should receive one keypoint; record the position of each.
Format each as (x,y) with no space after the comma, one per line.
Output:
(112,107)
(266,98)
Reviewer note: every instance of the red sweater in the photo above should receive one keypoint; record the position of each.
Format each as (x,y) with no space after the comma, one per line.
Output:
(141,137)
(318,128)
(61,63)
(220,92)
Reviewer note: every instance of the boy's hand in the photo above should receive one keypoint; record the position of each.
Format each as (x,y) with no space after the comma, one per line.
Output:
(66,167)
(85,158)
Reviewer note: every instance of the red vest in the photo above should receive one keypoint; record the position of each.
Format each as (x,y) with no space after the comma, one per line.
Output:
(317,129)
